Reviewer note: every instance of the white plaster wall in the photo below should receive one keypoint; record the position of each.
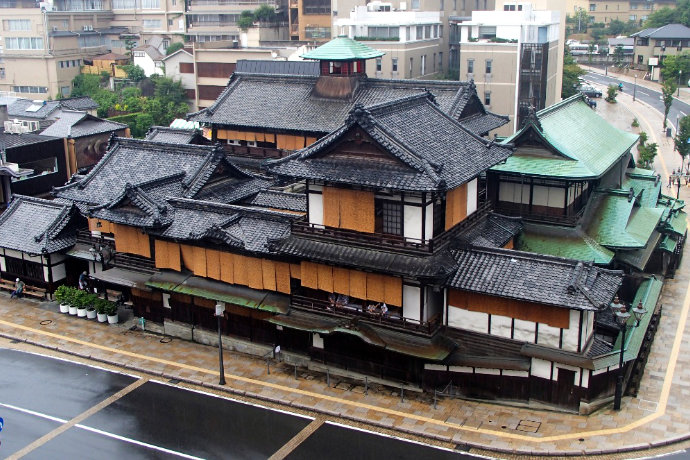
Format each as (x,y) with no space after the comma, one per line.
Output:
(317,341)
(585,378)
(429,224)
(469,320)
(412,218)
(501,326)
(571,335)
(511,373)
(524,330)
(548,196)
(513,193)
(435,367)
(36,259)
(46,274)
(600,371)
(56,258)
(411,304)
(315,208)
(463,369)
(13,253)
(166,300)
(3,265)
(481,370)
(541,368)
(59,272)
(548,335)
(471,196)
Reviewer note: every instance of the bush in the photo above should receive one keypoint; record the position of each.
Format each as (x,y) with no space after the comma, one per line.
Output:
(611,93)
(111,309)
(102,305)
(635,123)
(65,294)
(174,47)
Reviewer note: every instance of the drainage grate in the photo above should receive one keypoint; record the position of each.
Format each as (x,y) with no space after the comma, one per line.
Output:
(174,381)
(528,426)
(15,341)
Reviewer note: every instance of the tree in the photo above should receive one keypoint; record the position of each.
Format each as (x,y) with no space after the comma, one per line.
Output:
(582,19)
(134,72)
(174,47)
(571,71)
(674,63)
(663,16)
(667,91)
(85,85)
(645,152)
(169,90)
(611,93)
(265,13)
(246,20)
(130,44)
(618,56)
(682,139)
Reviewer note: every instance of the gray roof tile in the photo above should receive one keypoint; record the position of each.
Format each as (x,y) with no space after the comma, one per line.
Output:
(80,124)
(173,135)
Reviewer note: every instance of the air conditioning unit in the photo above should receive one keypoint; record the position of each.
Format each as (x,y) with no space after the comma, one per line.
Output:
(55,28)
(86,28)
(90,28)
(8,126)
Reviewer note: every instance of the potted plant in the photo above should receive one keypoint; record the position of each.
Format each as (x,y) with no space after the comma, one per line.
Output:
(83,302)
(91,306)
(111,311)
(76,302)
(64,295)
(101,310)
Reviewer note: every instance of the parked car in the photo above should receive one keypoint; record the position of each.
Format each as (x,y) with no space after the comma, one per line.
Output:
(591,102)
(589,91)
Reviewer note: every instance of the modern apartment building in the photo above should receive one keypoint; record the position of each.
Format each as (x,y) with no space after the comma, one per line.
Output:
(653,45)
(638,11)
(515,58)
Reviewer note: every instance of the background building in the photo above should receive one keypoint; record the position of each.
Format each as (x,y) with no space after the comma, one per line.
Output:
(605,11)
(653,45)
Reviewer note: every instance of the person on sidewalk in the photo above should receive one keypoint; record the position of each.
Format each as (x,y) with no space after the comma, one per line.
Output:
(18,289)
(83,281)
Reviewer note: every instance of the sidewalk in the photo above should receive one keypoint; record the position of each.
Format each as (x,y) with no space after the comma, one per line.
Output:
(656,418)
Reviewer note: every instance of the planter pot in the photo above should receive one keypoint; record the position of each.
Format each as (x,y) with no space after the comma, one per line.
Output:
(64,308)
(72,310)
(102,317)
(91,314)
(81,312)
(113,319)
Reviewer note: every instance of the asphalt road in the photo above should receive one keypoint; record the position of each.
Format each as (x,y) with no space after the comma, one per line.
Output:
(40,394)
(653,98)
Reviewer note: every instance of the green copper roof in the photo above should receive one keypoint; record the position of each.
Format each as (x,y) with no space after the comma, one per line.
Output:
(679,223)
(563,242)
(638,258)
(646,186)
(343,49)
(580,143)
(668,243)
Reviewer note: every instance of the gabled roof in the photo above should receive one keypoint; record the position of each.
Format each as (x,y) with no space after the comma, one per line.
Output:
(37,226)
(11,140)
(275,199)
(79,103)
(26,108)
(169,169)
(581,144)
(250,229)
(286,102)
(76,124)
(151,51)
(426,150)
(535,278)
(173,135)
(343,49)
(136,207)
(492,230)
(674,31)
(568,242)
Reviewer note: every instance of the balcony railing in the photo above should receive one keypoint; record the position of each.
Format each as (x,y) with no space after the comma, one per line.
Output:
(391,320)
(514,209)
(255,152)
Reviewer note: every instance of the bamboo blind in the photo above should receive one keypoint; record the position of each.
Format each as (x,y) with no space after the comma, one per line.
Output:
(106,227)
(167,255)
(268,270)
(526,311)
(456,206)
(213,264)
(309,275)
(131,240)
(283,271)
(255,277)
(350,209)
(245,135)
(227,268)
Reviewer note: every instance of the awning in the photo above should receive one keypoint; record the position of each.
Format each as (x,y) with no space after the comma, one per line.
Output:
(222,292)
(638,258)
(81,251)
(434,348)
(122,277)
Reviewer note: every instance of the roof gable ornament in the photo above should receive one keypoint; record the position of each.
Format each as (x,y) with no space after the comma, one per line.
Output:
(532,118)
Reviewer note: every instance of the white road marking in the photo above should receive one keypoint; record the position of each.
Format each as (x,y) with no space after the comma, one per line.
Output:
(95,430)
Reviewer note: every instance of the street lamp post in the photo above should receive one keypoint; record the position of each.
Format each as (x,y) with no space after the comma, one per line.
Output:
(679,73)
(634,86)
(622,316)
(220,310)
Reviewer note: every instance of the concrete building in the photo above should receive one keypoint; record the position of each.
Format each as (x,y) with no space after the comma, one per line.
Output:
(653,45)
(514,57)
(605,11)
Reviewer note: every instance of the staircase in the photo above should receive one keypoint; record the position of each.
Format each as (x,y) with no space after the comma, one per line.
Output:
(133,262)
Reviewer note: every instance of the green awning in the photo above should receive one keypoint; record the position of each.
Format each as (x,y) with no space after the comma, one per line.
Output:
(343,49)
(219,291)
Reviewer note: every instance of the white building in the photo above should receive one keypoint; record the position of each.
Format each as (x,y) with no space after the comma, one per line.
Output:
(148,58)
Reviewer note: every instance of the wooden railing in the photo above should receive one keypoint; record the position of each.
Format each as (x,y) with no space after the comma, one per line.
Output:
(515,210)
(391,320)
(255,152)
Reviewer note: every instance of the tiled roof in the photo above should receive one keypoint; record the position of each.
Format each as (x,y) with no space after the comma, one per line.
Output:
(675,31)
(80,124)
(492,231)
(427,150)
(139,208)
(20,106)
(79,103)
(309,68)
(172,135)
(36,226)
(436,266)
(279,200)
(286,102)
(638,258)
(246,228)
(582,144)
(540,279)
(568,242)
(343,49)
(138,162)
(646,186)
(10,140)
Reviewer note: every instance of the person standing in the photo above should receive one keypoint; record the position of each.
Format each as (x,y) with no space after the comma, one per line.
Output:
(18,289)
(83,282)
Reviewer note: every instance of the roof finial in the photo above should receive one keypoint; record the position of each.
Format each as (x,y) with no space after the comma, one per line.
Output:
(532,117)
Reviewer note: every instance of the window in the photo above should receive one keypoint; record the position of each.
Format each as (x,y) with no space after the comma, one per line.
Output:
(384,32)
(16,24)
(411,65)
(632,17)
(30,89)
(640,59)
(633,6)
(463,4)
(433,63)
(487,97)
(395,64)
(317,32)
(423,68)
(91,40)
(440,31)
(2,73)
(489,65)
(173,2)
(427,31)
(592,7)
(378,64)
(170,22)
(420,32)
(388,217)
(150,4)
(316,7)
(24,43)
(508,7)
(470,66)
(440,62)
(407,33)
(151,23)
(487,32)
(443,5)
(64,90)
(415,4)
(124,4)
(455,4)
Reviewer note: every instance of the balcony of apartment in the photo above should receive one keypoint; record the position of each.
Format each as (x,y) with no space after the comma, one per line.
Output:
(385,241)
(352,310)
(230,5)
(212,25)
(19,4)
(91,6)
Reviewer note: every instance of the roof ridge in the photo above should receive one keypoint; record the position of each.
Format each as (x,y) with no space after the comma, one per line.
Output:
(190,203)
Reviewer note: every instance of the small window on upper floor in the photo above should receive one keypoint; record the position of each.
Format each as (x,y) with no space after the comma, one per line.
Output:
(470,66)
(378,64)
(487,97)
(489,66)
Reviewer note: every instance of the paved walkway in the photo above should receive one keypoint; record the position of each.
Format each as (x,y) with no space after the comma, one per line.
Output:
(655,419)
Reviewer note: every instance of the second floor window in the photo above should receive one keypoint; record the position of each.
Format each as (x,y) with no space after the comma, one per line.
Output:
(389,216)
(470,66)
(489,65)
(378,64)
(395,64)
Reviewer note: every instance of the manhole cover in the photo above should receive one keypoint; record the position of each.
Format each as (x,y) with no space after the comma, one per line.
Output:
(528,426)
(166,340)
(45,322)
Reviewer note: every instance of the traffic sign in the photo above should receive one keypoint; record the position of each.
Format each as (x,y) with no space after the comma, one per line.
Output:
(2,422)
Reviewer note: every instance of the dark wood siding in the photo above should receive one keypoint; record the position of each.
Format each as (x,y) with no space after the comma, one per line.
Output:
(215,69)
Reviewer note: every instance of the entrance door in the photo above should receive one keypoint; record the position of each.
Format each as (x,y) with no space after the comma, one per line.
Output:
(565,388)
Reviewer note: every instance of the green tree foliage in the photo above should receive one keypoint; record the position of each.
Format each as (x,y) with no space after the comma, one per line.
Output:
(174,47)
(618,58)
(86,85)
(570,73)
(246,19)
(682,138)
(667,91)
(141,125)
(611,93)
(645,152)
(265,13)
(134,72)
(663,16)
(674,63)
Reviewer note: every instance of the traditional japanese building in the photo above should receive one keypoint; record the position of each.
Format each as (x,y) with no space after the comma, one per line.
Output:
(574,181)
(271,115)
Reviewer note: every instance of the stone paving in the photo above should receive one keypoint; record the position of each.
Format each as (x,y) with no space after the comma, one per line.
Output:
(658,416)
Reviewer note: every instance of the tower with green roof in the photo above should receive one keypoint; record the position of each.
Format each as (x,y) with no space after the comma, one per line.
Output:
(343,57)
